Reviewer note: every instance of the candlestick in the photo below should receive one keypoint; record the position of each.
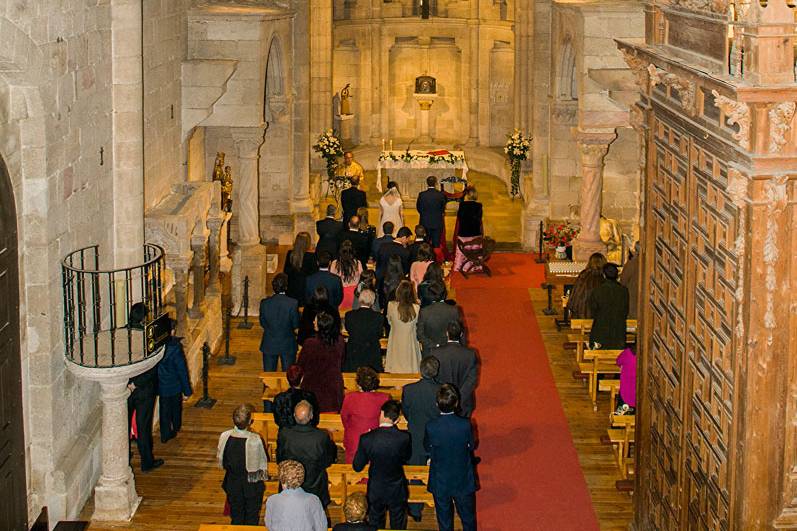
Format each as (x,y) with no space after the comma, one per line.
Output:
(391,144)
(383,144)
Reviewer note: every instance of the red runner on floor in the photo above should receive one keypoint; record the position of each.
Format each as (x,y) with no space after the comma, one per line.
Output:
(529,474)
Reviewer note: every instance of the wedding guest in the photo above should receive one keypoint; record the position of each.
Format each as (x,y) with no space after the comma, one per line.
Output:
(590,278)
(434,318)
(279,317)
(459,366)
(328,230)
(242,456)
(293,508)
(393,276)
(403,349)
(431,206)
(367,281)
(630,279)
(321,359)
(368,230)
(349,268)
(352,198)
(285,402)
(360,411)
(626,398)
(423,259)
(355,510)
(420,238)
(299,264)
(364,326)
(468,227)
(174,386)
(390,208)
(608,304)
(358,240)
(397,247)
(434,273)
(387,236)
(323,277)
(317,303)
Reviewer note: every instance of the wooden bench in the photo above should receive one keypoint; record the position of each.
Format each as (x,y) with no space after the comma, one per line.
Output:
(263,423)
(391,383)
(598,363)
(622,439)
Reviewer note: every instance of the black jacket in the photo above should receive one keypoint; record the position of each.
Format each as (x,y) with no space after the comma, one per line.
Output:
(314,449)
(469,217)
(285,402)
(330,281)
(328,230)
(449,441)
(365,327)
(432,327)
(377,243)
(413,249)
(458,366)
(609,306)
(298,277)
(351,199)
(419,405)
(173,376)
(359,241)
(279,317)
(388,249)
(431,205)
(387,450)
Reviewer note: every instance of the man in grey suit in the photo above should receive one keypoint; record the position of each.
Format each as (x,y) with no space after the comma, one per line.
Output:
(419,403)
(433,319)
(458,366)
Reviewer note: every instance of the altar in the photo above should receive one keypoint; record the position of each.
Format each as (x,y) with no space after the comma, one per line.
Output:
(409,169)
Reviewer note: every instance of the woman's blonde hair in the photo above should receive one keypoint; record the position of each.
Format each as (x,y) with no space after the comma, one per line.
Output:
(355,507)
(291,474)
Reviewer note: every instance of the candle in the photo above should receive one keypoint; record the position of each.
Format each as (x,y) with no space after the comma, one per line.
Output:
(391,144)
(383,144)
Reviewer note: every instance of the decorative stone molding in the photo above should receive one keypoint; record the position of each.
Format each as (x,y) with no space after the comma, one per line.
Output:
(686,90)
(638,67)
(780,118)
(655,75)
(565,113)
(736,112)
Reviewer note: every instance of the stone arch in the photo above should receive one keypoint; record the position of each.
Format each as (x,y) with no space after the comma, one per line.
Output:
(567,83)
(275,101)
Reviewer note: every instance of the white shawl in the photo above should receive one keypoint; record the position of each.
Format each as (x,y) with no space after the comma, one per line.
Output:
(256,459)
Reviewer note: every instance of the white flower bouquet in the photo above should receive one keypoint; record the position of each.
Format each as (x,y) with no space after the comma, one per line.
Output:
(516,149)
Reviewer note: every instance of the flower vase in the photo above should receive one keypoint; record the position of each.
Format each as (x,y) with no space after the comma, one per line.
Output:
(561,252)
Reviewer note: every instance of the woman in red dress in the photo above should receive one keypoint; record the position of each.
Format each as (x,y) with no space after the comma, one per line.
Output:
(321,359)
(360,412)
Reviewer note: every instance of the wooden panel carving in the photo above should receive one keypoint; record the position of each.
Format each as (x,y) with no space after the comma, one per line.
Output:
(692,312)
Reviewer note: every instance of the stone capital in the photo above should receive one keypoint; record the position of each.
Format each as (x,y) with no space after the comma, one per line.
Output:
(248,141)
(593,146)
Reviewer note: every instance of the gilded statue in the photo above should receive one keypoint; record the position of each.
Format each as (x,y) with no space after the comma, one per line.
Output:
(612,237)
(226,189)
(345,100)
(218,167)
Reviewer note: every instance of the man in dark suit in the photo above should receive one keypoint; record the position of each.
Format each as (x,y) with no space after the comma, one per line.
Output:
(387,228)
(365,326)
(279,317)
(431,206)
(323,277)
(419,402)
(609,306)
(387,449)
(328,230)
(420,237)
(458,366)
(452,480)
(312,447)
(359,240)
(433,319)
(351,199)
(395,247)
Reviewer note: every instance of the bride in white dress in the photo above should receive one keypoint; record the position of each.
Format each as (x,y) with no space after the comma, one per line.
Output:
(390,209)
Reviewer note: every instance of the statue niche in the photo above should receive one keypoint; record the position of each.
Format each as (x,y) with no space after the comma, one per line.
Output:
(425,85)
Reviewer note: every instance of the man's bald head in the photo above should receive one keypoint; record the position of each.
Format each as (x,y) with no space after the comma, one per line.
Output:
(303,413)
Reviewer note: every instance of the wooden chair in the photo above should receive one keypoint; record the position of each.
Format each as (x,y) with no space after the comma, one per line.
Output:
(598,363)
(476,252)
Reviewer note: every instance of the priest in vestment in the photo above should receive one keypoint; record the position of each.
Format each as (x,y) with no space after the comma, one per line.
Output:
(350,167)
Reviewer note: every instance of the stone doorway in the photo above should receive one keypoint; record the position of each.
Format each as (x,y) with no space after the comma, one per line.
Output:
(13,503)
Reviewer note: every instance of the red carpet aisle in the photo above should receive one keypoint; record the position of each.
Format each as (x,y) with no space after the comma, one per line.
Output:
(530,474)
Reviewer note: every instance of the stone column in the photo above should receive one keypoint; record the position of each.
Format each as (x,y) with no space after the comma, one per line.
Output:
(198,270)
(215,221)
(180,268)
(592,148)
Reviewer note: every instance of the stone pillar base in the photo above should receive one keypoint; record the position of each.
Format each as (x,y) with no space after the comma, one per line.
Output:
(117,502)
(582,249)
(251,262)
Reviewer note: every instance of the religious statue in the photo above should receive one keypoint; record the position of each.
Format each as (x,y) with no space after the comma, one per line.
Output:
(425,85)
(612,237)
(345,100)
(226,189)
(218,167)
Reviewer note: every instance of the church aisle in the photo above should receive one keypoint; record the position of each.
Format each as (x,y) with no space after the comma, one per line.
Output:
(530,474)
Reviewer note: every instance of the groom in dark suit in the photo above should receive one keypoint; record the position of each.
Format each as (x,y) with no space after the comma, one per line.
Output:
(387,449)
(431,205)
(452,480)
(351,199)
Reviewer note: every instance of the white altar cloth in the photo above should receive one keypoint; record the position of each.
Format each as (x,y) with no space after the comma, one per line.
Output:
(420,160)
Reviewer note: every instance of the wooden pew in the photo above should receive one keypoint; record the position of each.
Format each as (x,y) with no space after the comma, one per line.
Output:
(621,434)
(598,363)
(391,383)
(581,329)
(264,425)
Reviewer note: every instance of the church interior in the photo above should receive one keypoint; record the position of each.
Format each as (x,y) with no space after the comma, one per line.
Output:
(171,150)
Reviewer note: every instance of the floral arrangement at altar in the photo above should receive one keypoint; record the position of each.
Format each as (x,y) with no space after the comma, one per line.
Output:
(432,157)
(560,237)
(517,149)
(328,148)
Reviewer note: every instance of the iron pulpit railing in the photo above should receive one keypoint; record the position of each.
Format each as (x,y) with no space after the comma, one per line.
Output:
(98,330)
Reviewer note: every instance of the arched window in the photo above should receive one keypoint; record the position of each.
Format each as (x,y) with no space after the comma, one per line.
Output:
(567,84)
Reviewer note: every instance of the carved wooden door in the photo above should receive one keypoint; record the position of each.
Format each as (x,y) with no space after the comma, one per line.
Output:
(13,504)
